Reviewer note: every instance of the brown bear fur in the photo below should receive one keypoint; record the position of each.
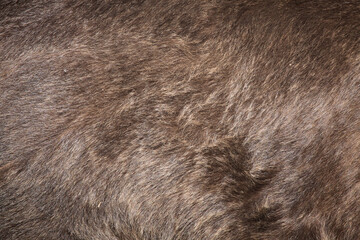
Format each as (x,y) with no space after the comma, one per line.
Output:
(154,119)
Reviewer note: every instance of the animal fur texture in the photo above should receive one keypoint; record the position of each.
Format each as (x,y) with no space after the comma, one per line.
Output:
(180,119)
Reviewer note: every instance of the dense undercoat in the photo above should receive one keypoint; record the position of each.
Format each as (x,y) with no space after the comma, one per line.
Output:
(180,119)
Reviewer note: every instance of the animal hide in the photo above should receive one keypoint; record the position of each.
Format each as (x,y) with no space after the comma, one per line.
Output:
(180,119)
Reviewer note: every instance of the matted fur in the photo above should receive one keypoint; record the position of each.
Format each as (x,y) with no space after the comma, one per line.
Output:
(178,119)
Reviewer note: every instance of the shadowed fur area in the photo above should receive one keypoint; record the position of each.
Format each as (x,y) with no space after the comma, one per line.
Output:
(180,119)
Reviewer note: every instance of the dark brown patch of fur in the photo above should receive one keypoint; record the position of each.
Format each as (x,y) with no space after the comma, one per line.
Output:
(180,119)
